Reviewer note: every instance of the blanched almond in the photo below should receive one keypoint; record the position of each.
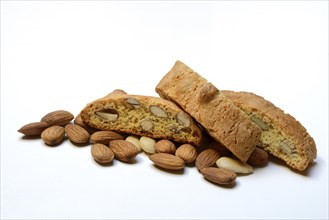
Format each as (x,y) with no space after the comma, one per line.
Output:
(236,166)
(135,141)
(148,144)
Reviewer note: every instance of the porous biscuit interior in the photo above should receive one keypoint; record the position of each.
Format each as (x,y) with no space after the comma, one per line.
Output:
(282,135)
(279,144)
(225,122)
(145,116)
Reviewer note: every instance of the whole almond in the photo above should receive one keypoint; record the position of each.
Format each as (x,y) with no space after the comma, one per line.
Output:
(78,121)
(187,152)
(53,135)
(104,137)
(207,92)
(167,161)
(135,141)
(165,146)
(258,157)
(59,117)
(77,134)
(34,128)
(234,165)
(147,144)
(101,153)
(206,158)
(123,150)
(219,175)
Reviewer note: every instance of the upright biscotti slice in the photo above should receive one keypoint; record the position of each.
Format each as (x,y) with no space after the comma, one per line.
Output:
(207,105)
(283,136)
(141,115)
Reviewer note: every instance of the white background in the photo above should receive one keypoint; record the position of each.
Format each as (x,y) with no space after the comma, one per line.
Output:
(62,55)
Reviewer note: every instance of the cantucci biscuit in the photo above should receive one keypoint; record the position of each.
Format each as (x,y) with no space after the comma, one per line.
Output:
(224,121)
(283,136)
(142,115)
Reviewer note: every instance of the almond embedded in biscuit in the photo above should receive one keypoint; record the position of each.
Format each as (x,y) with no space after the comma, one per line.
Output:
(225,122)
(283,136)
(143,116)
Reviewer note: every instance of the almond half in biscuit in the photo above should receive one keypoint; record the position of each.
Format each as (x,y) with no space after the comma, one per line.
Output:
(283,136)
(142,115)
(219,116)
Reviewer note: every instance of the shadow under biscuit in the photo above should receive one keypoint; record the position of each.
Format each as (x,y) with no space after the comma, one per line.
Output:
(282,163)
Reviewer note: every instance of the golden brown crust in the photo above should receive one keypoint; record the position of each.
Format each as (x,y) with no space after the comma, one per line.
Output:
(142,115)
(279,127)
(218,115)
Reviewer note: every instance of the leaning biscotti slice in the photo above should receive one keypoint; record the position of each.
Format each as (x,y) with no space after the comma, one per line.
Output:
(141,115)
(283,136)
(207,105)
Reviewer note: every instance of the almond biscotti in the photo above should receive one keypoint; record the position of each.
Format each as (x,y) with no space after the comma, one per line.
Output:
(207,105)
(142,115)
(283,136)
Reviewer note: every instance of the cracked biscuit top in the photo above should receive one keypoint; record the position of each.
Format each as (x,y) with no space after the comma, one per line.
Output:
(142,115)
(207,105)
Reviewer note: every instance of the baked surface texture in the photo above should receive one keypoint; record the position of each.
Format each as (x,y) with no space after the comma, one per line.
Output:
(142,115)
(283,136)
(224,121)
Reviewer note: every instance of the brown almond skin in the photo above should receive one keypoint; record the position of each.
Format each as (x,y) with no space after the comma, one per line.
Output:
(258,157)
(104,137)
(53,135)
(167,161)
(123,150)
(34,128)
(207,158)
(219,175)
(207,92)
(101,153)
(59,117)
(187,152)
(165,146)
(77,134)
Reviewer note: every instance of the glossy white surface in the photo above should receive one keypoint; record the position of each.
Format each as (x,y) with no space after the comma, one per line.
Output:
(62,55)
